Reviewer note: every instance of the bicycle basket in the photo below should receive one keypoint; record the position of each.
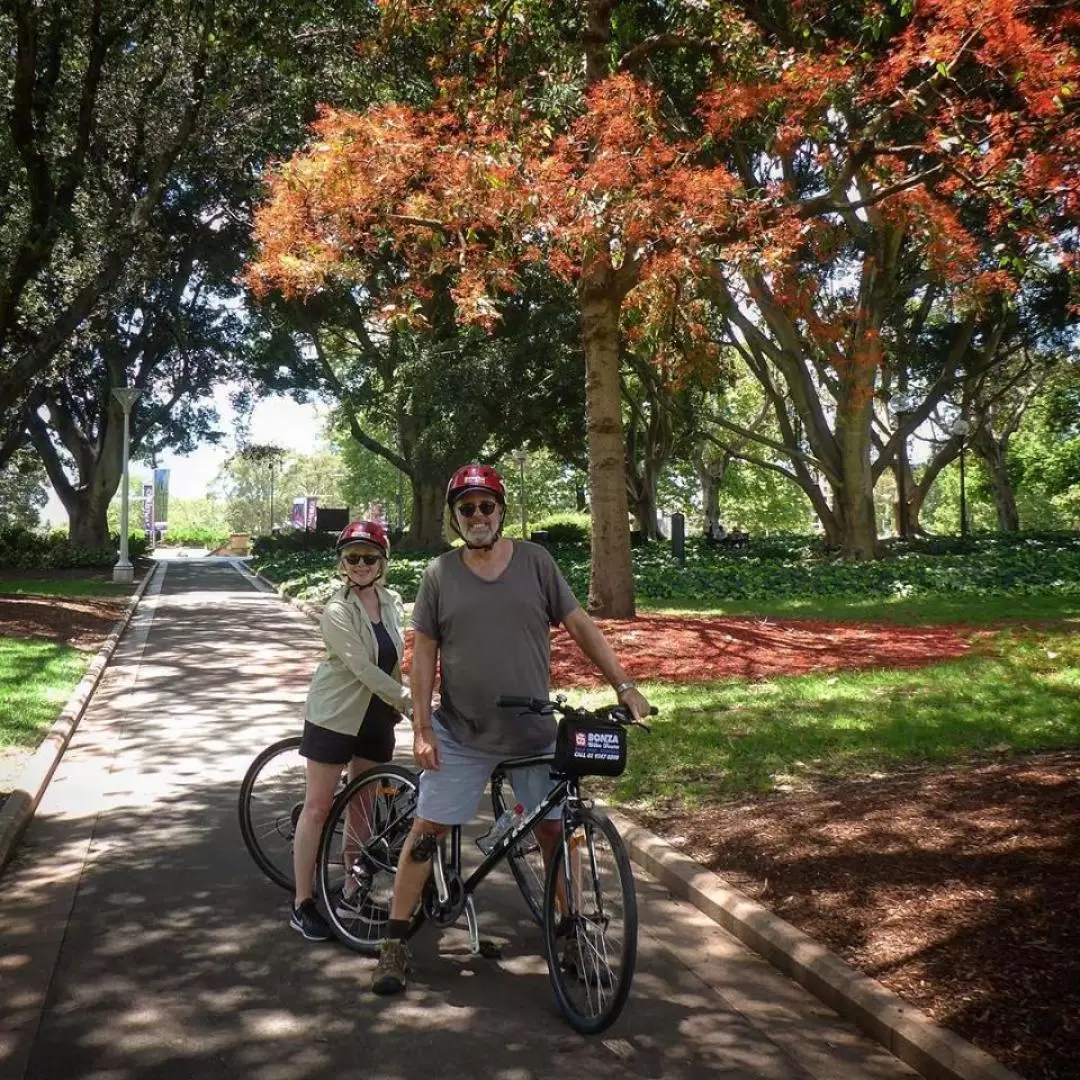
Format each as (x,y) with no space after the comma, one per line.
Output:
(589,748)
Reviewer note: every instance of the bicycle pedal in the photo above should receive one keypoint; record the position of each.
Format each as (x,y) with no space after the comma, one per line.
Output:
(490,950)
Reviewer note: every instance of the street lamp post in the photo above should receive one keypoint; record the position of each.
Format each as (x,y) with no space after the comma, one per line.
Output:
(123,571)
(961,428)
(519,457)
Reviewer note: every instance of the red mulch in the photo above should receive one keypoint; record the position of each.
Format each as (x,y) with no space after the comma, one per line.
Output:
(675,649)
(83,622)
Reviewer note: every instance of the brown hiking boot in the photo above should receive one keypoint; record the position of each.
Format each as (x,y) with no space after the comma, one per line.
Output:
(389,976)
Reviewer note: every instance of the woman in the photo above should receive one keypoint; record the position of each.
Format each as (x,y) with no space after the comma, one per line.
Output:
(354,699)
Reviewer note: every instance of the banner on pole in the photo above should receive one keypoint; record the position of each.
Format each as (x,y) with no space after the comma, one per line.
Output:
(148,509)
(161,498)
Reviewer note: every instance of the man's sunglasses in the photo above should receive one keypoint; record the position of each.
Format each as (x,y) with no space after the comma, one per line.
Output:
(367,560)
(467,509)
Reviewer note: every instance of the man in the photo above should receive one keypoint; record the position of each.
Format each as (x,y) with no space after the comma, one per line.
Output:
(483,613)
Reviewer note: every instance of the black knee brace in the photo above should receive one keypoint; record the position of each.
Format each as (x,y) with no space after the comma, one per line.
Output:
(424,847)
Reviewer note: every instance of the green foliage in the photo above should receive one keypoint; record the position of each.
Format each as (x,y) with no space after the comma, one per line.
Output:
(23,490)
(195,537)
(291,542)
(30,549)
(565,528)
(791,568)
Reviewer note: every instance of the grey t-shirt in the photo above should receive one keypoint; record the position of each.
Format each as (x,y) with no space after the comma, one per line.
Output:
(494,639)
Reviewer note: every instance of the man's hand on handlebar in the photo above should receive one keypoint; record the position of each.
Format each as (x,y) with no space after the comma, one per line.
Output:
(637,703)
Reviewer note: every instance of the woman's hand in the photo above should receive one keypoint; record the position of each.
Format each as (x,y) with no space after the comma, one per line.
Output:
(426,749)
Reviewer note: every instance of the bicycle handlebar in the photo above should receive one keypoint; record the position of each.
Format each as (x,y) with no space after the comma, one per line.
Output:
(620,714)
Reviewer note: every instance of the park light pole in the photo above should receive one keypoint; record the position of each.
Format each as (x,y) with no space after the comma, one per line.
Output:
(123,571)
(519,457)
(961,428)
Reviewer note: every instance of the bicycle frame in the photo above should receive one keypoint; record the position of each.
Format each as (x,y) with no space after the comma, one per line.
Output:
(565,793)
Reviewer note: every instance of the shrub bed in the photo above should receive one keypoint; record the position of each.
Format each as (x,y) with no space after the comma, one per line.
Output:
(777,569)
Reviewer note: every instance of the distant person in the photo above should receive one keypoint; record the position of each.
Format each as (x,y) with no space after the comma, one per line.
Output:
(716,532)
(482,619)
(353,702)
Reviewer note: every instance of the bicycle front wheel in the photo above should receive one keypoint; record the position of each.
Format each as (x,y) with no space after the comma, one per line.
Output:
(358,854)
(271,798)
(590,922)
(525,858)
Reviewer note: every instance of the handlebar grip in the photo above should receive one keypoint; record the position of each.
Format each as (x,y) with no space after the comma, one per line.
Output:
(654,711)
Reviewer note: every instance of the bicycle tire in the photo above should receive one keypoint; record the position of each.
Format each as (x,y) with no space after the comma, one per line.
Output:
(524,858)
(268,827)
(384,800)
(601,919)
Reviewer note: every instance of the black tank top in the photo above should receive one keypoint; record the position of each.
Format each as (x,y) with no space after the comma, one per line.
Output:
(378,711)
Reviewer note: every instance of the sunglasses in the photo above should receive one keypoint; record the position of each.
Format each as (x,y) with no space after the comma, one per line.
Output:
(367,560)
(467,509)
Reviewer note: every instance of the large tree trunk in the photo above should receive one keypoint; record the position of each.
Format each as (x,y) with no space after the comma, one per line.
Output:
(994,453)
(99,463)
(642,485)
(426,522)
(88,525)
(854,496)
(611,578)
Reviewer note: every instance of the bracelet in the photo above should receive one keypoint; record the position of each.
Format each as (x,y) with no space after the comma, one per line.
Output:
(623,687)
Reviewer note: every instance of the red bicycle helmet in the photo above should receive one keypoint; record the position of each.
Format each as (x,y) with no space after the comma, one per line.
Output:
(472,477)
(364,532)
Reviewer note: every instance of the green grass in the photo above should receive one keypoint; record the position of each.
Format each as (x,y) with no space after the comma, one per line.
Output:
(51,587)
(908,611)
(721,741)
(36,678)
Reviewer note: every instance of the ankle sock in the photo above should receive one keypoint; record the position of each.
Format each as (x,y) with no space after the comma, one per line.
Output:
(397,929)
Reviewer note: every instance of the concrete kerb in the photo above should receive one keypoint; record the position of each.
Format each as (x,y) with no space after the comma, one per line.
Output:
(909,1034)
(35,775)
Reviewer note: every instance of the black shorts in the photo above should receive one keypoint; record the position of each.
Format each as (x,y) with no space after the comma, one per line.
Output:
(375,742)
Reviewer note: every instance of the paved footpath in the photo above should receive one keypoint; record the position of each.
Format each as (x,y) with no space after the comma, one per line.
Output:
(138,940)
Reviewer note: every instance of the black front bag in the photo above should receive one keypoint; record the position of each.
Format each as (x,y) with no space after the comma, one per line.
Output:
(589,748)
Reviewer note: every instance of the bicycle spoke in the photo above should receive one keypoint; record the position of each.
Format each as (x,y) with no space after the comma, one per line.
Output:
(359,850)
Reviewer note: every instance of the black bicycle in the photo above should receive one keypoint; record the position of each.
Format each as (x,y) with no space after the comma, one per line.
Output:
(584,900)
(271,798)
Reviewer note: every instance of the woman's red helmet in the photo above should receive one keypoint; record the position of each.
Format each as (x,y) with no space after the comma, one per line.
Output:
(473,477)
(364,532)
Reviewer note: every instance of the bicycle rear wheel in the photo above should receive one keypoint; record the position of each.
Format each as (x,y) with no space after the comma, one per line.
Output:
(271,798)
(590,922)
(525,859)
(358,854)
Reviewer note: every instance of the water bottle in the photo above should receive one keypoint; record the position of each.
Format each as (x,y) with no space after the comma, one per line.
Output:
(510,818)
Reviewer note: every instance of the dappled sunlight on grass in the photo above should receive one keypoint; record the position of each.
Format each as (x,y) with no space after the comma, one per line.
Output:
(724,740)
(36,678)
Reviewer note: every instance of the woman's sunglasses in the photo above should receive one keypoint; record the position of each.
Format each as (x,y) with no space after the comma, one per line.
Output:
(467,509)
(367,560)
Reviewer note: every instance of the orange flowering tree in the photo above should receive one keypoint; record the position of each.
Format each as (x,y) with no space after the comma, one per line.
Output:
(701,159)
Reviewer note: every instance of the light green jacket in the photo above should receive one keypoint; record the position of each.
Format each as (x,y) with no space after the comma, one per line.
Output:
(341,689)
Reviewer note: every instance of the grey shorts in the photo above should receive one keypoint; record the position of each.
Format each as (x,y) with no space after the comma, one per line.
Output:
(451,794)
